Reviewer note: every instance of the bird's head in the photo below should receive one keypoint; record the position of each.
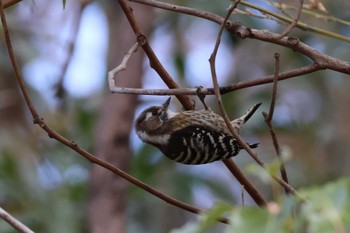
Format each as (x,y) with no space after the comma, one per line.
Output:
(153,118)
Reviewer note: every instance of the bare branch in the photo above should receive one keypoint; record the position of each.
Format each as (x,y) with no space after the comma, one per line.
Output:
(15,223)
(302,26)
(218,19)
(253,192)
(122,66)
(9,3)
(245,183)
(274,87)
(223,90)
(268,120)
(294,23)
(153,59)
(322,61)
(224,114)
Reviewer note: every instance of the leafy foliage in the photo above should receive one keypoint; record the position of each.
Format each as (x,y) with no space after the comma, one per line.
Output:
(325,210)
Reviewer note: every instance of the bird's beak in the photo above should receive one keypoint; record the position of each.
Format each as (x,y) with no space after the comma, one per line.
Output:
(166,103)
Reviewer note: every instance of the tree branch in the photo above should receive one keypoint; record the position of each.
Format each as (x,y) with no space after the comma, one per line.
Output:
(153,59)
(229,163)
(323,60)
(8,3)
(268,120)
(15,223)
(294,23)
(223,112)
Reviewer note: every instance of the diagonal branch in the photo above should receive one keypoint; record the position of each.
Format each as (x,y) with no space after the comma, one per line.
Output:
(15,223)
(224,114)
(122,66)
(153,59)
(322,60)
(268,120)
(9,3)
(218,19)
(294,23)
(229,163)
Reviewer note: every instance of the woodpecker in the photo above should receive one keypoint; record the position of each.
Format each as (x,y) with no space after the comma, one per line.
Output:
(190,137)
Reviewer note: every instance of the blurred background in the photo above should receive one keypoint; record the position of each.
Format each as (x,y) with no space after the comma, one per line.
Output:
(65,54)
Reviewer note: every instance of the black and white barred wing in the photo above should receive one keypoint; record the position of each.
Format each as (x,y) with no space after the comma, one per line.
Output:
(199,145)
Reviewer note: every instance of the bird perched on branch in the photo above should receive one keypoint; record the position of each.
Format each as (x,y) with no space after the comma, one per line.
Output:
(190,137)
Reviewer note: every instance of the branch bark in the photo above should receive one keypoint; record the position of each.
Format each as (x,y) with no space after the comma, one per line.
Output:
(15,223)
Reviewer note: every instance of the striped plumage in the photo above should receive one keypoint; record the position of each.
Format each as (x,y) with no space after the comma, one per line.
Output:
(190,137)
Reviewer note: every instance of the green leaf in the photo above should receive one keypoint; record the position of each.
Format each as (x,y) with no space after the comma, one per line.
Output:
(327,208)
(210,217)
(207,219)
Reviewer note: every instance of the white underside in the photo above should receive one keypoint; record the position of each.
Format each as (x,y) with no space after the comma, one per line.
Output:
(157,139)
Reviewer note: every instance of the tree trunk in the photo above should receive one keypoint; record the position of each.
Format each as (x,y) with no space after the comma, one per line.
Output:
(107,191)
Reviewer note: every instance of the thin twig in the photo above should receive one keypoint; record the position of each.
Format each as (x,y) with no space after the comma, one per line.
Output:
(316,15)
(294,23)
(253,192)
(323,60)
(153,59)
(224,114)
(15,65)
(224,89)
(218,19)
(274,87)
(9,3)
(268,119)
(242,195)
(112,75)
(93,159)
(300,25)
(15,223)
(244,181)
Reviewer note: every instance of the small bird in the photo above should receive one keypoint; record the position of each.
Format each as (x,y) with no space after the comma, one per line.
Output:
(190,137)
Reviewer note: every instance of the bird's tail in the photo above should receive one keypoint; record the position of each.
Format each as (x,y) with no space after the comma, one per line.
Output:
(255,145)
(237,123)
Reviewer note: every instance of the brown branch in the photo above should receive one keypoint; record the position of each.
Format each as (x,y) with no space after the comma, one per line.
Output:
(53,134)
(181,9)
(15,65)
(294,23)
(153,59)
(269,79)
(224,114)
(15,223)
(245,183)
(223,90)
(112,75)
(274,87)
(9,3)
(253,192)
(322,60)
(268,120)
